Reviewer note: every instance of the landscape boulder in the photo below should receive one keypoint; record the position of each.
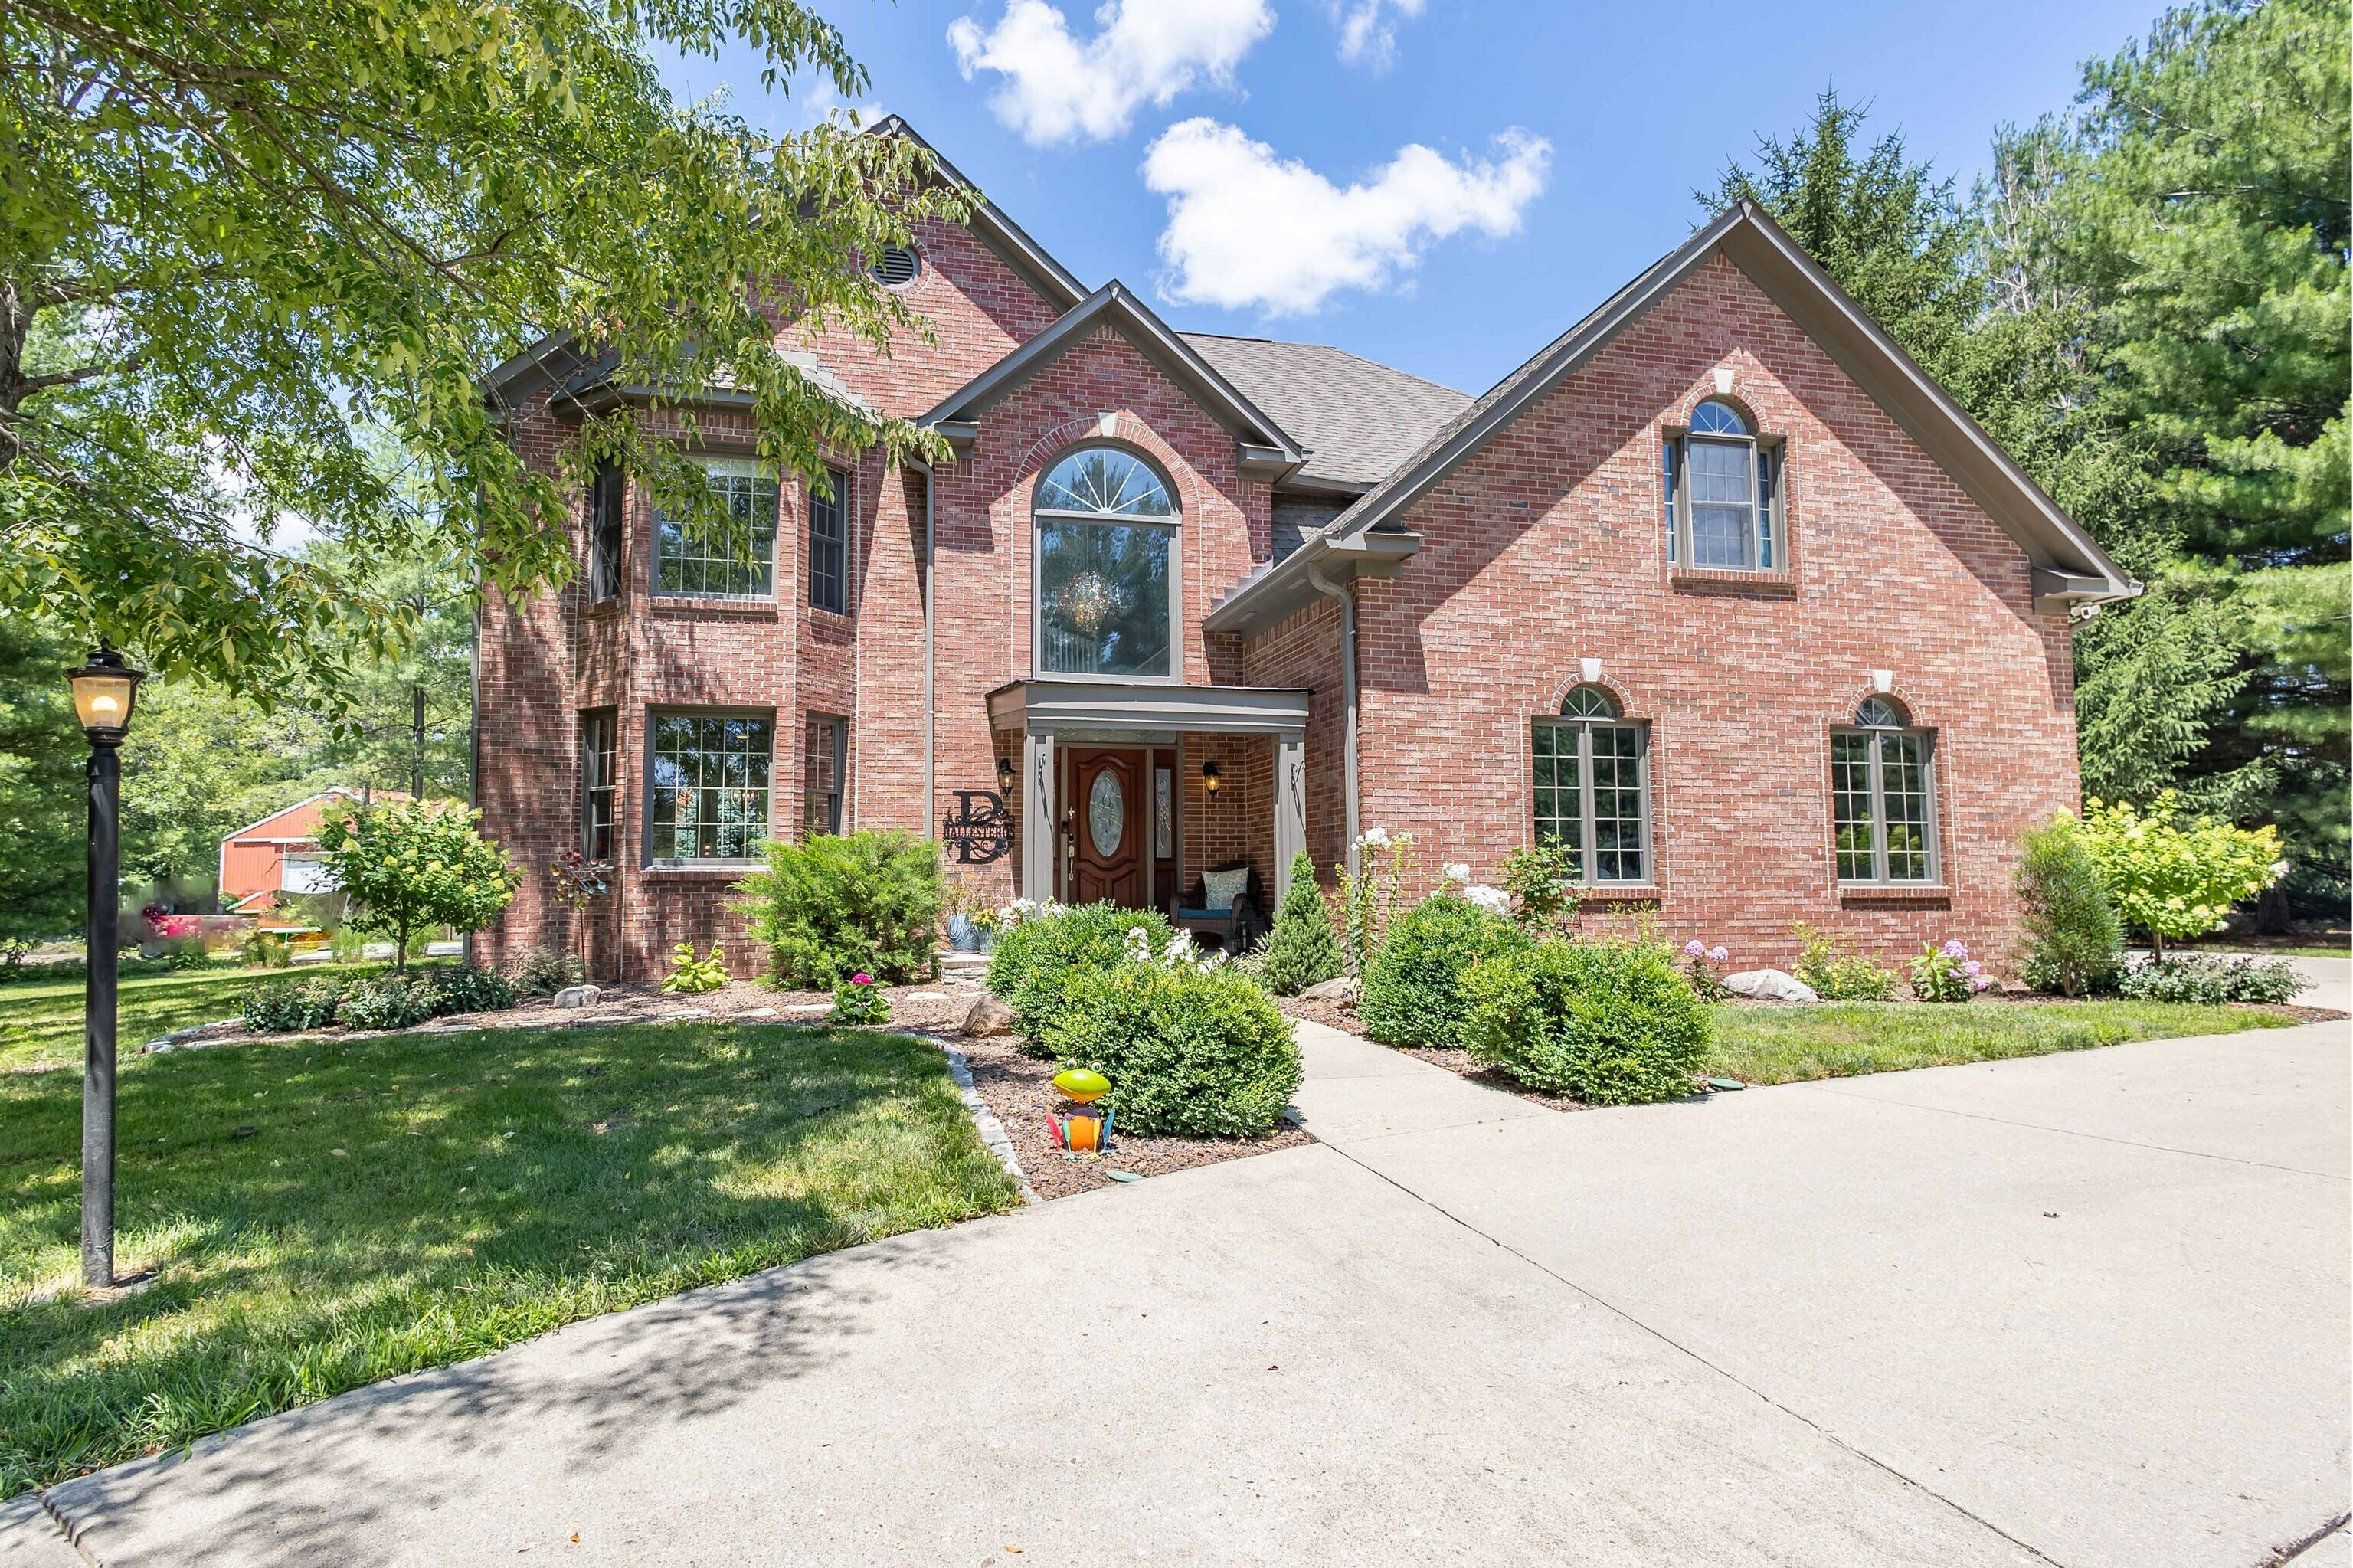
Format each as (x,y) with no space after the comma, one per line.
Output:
(1769,985)
(988,1017)
(577,996)
(1340,991)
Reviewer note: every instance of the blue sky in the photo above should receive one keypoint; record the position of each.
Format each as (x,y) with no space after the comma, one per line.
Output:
(1439,184)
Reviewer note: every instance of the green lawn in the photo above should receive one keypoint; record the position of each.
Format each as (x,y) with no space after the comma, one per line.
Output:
(319,1215)
(40,1025)
(1787,1044)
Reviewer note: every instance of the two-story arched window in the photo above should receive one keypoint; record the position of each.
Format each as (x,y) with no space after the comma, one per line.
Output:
(1592,787)
(1107,542)
(1883,796)
(1723,486)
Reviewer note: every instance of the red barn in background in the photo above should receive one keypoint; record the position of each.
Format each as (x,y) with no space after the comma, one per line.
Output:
(279,853)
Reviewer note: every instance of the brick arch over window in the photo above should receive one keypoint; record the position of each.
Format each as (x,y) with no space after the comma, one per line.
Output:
(1619,693)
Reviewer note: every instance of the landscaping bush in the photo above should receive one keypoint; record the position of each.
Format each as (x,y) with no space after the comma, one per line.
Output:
(2210,977)
(859,1001)
(2175,876)
(2073,943)
(544,971)
(388,1002)
(840,905)
(1412,993)
(282,1006)
(466,988)
(1830,964)
(412,866)
(1610,1023)
(1034,962)
(691,975)
(1305,949)
(1190,1052)
(1948,973)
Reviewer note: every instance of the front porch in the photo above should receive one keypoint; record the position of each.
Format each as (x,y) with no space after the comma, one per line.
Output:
(1130,791)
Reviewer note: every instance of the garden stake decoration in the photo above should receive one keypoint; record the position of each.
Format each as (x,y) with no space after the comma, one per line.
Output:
(1079,1132)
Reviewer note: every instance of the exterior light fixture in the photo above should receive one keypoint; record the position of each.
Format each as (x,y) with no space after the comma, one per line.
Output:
(1212,778)
(105,690)
(1004,776)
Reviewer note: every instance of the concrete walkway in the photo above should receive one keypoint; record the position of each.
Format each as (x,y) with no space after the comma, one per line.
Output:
(2086,1309)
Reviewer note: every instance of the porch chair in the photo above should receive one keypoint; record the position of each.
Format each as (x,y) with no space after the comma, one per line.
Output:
(1233,912)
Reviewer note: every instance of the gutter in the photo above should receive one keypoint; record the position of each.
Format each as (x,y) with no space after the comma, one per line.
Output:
(1345,593)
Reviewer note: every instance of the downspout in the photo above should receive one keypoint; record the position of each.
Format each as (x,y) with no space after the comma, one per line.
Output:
(1348,701)
(931,610)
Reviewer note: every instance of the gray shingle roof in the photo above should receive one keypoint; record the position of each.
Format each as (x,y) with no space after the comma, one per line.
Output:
(1357,419)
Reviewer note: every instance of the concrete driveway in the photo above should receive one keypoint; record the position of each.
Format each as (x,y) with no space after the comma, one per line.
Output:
(2085,1309)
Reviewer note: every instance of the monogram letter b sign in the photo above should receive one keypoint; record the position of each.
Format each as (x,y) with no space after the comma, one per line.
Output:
(977,830)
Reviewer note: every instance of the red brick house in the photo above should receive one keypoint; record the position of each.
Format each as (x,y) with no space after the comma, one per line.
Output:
(1718,588)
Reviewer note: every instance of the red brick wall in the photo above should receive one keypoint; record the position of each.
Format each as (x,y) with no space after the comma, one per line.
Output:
(1304,650)
(1546,548)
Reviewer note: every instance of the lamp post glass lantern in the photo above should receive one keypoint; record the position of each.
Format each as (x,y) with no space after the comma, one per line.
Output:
(105,690)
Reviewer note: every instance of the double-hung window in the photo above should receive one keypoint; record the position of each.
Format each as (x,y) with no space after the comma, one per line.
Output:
(727,553)
(606,492)
(1884,797)
(1722,482)
(708,786)
(829,545)
(1592,789)
(599,754)
(825,759)
(1107,567)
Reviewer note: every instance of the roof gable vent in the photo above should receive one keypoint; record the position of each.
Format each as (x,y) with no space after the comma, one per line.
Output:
(897,266)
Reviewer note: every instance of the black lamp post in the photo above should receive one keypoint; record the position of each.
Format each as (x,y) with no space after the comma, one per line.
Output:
(104,691)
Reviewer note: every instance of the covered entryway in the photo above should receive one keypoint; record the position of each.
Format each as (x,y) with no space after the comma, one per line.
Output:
(1128,792)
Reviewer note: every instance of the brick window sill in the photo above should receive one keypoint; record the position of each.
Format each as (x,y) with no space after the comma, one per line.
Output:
(1893,893)
(699,870)
(690,604)
(1622,892)
(1762,585)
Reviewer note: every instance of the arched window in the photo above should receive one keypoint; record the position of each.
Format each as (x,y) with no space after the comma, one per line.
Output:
(1107,569)
(1592,787)
(1883,796)
(1723,488)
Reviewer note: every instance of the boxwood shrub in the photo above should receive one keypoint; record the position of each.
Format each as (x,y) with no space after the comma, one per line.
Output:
(1610,1023)
(1034,962)
(840,905)
(1189,1052)
(1412,992)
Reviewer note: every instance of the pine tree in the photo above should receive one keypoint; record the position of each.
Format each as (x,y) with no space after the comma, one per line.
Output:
(1303,950)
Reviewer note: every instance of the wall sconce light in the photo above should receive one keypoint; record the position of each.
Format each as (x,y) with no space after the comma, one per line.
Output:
(1004,776)
(1212,778)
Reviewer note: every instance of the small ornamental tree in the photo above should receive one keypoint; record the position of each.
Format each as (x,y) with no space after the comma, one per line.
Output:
(411,865)
(1303,950)
(2177,877)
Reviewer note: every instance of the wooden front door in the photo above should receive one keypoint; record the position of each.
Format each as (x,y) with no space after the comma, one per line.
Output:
(1109,821)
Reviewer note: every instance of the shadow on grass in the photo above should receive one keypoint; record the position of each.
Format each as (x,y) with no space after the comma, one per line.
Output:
(322,1215)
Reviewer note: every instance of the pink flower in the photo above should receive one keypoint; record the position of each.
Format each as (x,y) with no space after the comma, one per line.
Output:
(1979,983)
(1973,968)
(1955,949)
(862,977)
(1718,953)
(1694,949)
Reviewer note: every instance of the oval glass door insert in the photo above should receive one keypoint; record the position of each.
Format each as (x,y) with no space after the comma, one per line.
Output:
(1106,813)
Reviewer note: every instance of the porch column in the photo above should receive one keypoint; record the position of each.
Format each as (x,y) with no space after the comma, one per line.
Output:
(1290,805)
(1038,815)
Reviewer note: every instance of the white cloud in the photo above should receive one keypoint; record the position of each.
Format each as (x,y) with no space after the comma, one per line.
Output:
(1147,51)
(1246,228)
(1367,36)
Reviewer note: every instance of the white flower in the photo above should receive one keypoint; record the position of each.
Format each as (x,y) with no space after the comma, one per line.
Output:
(1457,871)
(1373,838)
(1213,957)
(1178,951)
(1136,947)
(1494,900)
(2279,869)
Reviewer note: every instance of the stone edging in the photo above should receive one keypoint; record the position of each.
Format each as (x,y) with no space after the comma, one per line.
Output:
(992,1132)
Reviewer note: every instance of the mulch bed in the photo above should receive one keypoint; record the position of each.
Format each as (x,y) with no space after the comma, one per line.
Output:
(1020,1089)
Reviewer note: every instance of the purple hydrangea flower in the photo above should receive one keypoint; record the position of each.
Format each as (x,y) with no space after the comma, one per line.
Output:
(1955,949)
(1973,968)
(1694,950)
(1718,953)
(1978,982)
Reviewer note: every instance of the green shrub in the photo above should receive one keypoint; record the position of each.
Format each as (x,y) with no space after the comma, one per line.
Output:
(2212,979)
(1412,993)
(544,971)
(1305,949)
(691,975)
(411,867)
(1610,1023)
(1034,962)
(388,1002)
(278,1007)
(2173,875)
(462,987)
(1830,964)
(1189,1052)
(2073,943)
(1542,881)
(859,1001)
(1948,973)
(838,905)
